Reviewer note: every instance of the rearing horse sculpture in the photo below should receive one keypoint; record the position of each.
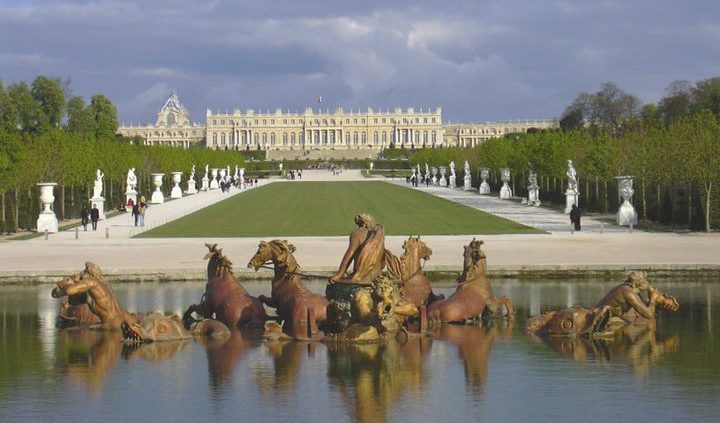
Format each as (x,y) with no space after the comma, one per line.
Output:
(416,287)
(473,297)
(301,309)
(224,297)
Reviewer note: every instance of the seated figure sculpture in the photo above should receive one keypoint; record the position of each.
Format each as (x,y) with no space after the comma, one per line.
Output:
(623,305)
(103,303)
(365,251)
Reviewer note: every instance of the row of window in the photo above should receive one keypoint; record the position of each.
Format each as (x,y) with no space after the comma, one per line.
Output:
(323,121)
(326,138)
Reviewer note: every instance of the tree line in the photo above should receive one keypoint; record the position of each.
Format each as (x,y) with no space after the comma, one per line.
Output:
(672,148)
(46,135)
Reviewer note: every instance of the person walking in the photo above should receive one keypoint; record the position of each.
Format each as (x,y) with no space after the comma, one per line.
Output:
(575,217)
(141,214)
(84,217)
(94,217)
(135,212)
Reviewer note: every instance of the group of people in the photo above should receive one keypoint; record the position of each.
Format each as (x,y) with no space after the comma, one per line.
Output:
(138,211)
(89,215)
(292,174)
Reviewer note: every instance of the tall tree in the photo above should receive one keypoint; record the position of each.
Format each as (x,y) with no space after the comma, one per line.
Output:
(79,120)
(104,116)
(707,96)
(49,94)
(606,110)
(27,116)
(675,105)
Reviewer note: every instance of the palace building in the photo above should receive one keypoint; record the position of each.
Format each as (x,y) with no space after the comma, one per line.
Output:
(318,130)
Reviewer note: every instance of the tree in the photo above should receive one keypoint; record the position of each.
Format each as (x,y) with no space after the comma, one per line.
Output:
(49,95)
(675,105)
(606,110)
(104,117)
(79,120)
(707,96)
(25,115)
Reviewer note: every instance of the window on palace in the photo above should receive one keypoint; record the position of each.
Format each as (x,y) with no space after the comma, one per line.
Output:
(375,138)
(375,120)
(347,138)
(272,139)
(434,137)
(285,138)
(264,138)
(417,120)
(222,139)
(362,120)
(222,122)
(355,121)
(214,122)
(424,120)
(384,137)
(363,138)
(255,138)
(292,138)
(284,121)
(355,138)
(214,138)
(425,135)
(332,137)
(256,121)
(433,120)
(347,121)
(292,121)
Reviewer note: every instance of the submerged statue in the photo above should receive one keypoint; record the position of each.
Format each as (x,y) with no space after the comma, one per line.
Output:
(624,305)
(473,297)
(224,297)
(301,310)
(90,286)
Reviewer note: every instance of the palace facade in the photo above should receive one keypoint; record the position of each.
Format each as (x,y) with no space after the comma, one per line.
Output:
(318,130)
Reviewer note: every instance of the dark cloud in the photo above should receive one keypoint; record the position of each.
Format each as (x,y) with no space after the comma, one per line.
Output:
(479,60)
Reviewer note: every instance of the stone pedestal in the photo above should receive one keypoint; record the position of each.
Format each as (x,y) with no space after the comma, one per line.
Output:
(47,221)
(98,203)
(442,181)
(571,197)
(453,182)
(505,191)
(533,196)
(626,215)
(130,195)
(213,179)
(191,187)
(157,195)
(484,188)
(467,183)
(205,184)
(176,190)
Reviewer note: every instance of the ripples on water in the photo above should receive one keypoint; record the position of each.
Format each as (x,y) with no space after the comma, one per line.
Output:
(458,372)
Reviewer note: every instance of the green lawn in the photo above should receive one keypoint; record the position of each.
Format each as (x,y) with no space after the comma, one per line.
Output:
(327,209)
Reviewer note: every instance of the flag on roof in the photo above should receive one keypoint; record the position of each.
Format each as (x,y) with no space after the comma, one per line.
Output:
(319,99)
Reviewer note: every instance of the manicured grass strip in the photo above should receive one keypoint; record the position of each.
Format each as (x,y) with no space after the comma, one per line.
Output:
(328,208)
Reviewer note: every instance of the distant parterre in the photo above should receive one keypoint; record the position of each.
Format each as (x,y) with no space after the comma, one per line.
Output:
(318,129)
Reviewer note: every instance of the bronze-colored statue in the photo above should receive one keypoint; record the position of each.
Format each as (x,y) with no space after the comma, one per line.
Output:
(365,251)
(89,286)
(473,297)
(416,287)
(623,305)
(224,297)
(103,302)
(300,308)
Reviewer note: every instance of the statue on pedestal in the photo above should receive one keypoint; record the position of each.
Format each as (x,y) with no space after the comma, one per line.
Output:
(98,185)
(467,179)
(626,214)
(571,194)
(452,178)
(131,181)
(533,189)
(484,186)
(505,191)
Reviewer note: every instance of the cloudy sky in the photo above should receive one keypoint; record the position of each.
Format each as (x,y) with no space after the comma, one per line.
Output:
(479,60)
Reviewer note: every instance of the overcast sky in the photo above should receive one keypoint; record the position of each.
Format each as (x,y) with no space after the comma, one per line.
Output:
(479,60)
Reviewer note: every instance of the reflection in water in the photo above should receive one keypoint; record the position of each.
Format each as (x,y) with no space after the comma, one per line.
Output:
(87,356)
(223,355)
(639,346)
(287,359)
(474,344)
(370,378)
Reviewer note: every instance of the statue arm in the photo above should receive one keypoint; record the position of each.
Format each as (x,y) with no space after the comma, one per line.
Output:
(634,300)
(355,242)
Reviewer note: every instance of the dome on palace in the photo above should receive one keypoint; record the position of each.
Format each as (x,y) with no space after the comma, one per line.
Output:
(173,113)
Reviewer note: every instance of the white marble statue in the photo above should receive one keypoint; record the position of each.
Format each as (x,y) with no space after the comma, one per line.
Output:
(207,169)
(484,186)
(505,191)
(533,189)
(98,185)
(626,214)
(572,195)
(131,181)
(572,176)
(452,179)
(192,173)
(467,178)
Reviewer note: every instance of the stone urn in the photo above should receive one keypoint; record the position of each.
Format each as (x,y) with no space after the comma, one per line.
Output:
(505,191)
(626,214)
(176,190)
(213,178)
(484,186)
(47,221)
(157,195)
(442,181)
(433,172)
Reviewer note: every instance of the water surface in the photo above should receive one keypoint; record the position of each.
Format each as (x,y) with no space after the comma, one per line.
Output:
(467,373)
